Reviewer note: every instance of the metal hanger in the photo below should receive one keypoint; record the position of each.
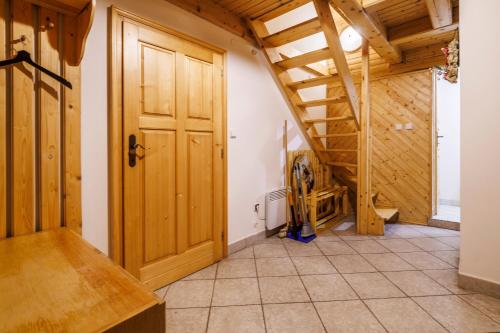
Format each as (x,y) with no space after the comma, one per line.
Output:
(26,57)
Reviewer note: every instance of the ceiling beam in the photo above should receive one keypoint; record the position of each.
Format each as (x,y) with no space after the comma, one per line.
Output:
(419,29)
(353,12)
(217,15)
(440,12)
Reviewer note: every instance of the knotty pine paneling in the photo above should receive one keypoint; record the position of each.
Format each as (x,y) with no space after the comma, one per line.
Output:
(39,124)
(401,160)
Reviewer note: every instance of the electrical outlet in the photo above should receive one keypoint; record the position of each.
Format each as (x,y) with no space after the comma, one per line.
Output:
(398,127)
(409,126)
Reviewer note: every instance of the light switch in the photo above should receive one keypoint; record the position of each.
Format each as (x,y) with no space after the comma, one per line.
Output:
(398,127)
(409,126)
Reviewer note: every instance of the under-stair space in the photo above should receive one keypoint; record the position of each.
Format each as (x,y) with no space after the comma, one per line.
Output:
(316,76)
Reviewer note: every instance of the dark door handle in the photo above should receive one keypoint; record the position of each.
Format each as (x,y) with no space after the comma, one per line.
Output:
(132,150)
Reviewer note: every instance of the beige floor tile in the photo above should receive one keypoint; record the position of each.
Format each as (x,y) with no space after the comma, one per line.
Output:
(327,236)
(355,237)
(429,244)
(457,315)
(348,317)
(236,268)
(387,262)
(236,292)
(313,265)
(161,292)
(269,251)
(402,315)
(351,263)
(282,290)
(437,232)
(486,304)
(450,257)
(187,320)
(407,232)
(298,249)
(448,278)
(189,294)
(246,253)
(240,319)
(275,267)
(207,273)
(367,246)
(334,248)
(416,283)
(331,287)
(454,242)
(398,245)
(290,318)
(372,285)
(424,260)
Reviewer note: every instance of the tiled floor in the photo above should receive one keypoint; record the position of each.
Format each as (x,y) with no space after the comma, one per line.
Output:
(405,281)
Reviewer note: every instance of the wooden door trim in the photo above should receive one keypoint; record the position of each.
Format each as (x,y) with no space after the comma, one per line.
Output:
(115,123)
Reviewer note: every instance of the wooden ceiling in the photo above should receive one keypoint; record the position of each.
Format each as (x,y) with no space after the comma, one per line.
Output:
(402,33)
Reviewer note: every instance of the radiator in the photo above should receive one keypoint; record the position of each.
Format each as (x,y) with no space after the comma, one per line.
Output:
(275,209)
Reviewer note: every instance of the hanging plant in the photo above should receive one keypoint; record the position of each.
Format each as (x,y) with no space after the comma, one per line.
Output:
(451,52)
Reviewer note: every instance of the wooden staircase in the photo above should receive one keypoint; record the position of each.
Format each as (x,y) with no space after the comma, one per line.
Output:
(324,22)
(280,64)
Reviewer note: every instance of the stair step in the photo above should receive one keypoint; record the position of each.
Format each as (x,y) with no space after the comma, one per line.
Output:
(341,150)
(335,135)
(387,214)
(324,101)
(343,164)
(325,120)
(283,9)
(293,33)
(305,59)
(315,81)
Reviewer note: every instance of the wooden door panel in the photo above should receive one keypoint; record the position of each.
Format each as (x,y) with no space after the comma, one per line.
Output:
(172,201)
(199,89)
(159,195)
(200,191)
(157,80)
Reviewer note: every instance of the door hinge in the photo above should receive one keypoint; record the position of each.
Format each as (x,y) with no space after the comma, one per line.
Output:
(222,73)
(222,153)
(222,235)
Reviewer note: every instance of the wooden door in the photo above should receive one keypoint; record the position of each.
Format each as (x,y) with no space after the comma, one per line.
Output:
(173,196)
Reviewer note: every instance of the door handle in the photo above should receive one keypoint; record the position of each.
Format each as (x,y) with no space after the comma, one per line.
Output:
(132,150)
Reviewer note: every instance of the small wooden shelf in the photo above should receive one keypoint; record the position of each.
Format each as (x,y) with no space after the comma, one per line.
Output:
(55,281)
(83,12)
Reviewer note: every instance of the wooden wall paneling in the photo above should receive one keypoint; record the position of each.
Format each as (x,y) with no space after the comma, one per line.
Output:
(402,160)
(71,133)
(49,120)
(115,123)
(23,123)
(3,121)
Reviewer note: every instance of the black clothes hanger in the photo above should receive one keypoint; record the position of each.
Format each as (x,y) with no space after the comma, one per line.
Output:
(26,57)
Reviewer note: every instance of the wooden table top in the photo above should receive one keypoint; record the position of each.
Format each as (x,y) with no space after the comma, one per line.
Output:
(53,281)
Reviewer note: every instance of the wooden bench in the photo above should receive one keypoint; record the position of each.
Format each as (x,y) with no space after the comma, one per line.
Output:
(53,281)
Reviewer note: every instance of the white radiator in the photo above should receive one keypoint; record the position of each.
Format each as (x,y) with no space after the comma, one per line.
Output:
(275,209)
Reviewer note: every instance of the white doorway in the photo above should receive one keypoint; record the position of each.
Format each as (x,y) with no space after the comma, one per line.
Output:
(447,107)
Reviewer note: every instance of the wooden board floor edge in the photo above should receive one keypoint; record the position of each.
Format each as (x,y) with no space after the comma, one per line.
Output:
(115,111)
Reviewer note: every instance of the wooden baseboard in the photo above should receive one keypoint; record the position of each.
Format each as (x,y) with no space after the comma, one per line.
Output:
(479,285)
(444,224)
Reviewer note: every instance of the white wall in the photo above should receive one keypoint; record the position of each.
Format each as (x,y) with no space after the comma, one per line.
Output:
(256,112)
(480,150)
(448,123)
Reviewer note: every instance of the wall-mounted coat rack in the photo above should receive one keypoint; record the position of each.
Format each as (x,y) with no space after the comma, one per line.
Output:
(40,173)
(25,56)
